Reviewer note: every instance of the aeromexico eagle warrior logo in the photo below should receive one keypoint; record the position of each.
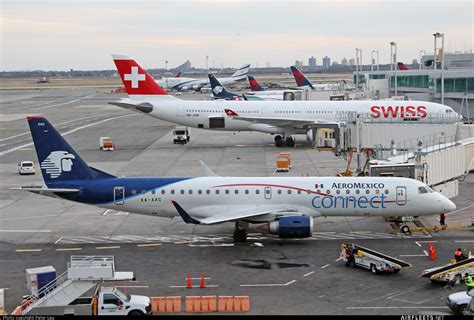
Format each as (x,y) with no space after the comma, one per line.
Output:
(58,162)
(217,89)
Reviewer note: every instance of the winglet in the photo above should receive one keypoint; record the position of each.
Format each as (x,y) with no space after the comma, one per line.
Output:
(230,113)
(184,215)
(206,169)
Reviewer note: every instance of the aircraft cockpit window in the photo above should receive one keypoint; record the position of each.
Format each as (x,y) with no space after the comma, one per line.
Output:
(422,190)
(448,110)
(429,189)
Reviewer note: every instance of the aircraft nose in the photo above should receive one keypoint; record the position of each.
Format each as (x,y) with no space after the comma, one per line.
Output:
(449,205)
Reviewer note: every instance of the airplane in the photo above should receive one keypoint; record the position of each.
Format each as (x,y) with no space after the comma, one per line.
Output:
(282,118)
(183,84)
(401,66)
(258,90)
(284,206)
(220,92)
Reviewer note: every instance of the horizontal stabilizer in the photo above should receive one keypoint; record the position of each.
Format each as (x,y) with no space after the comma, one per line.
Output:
(207,171)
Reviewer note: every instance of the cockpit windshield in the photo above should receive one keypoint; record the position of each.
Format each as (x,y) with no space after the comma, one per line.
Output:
(426,189)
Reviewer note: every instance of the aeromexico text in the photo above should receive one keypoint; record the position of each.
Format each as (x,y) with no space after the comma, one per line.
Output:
(358,185)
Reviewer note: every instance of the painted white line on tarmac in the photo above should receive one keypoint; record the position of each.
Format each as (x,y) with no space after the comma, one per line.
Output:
(325,266)
(472,205)
(268,284)
(131,286)
(418,244)
(412,255)
(418,307)
(68,249)
(309,273)
(426,253)
(464,241)
(27,231)
(338,259)
(63,103)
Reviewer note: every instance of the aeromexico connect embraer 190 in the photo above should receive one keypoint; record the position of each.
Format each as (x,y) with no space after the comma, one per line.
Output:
(283,118)
(285,205)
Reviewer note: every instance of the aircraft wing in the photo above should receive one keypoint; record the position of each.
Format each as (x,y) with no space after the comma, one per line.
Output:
(278,122)
(227,216)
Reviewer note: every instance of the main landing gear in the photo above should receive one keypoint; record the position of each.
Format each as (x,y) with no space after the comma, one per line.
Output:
(240,232)
(280,141)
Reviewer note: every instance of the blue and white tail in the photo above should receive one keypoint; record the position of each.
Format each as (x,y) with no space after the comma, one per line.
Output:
(57,159)
(241,73)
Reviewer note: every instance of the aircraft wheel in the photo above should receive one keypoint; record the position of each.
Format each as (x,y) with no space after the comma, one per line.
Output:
(290,142)
(404,229)
(240,235)
(278,141)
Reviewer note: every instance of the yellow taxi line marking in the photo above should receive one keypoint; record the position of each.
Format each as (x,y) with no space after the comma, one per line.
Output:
(111,247)
(68,249)
(29,250)
(149,245)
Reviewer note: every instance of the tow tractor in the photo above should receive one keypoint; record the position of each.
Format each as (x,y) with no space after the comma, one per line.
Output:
(370,259)
(451,274)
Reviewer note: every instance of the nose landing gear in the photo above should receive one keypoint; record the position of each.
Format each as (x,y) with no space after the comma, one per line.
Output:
(281,141)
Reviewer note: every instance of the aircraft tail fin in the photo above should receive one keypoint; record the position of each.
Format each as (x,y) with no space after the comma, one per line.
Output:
(254,85)
(58,160)
(300,78)
(136,80)
(242,72)
(402,66)
(218,90)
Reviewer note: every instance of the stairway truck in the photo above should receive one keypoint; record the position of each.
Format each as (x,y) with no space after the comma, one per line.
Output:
(452,274)
(106,301)
(355,255)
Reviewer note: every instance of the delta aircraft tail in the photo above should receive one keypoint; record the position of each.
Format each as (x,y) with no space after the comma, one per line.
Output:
(254,85)
(300,78)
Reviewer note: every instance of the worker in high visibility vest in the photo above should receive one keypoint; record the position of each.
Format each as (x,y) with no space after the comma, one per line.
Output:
(469,283)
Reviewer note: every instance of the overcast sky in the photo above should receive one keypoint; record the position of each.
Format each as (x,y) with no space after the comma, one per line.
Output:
(81,34)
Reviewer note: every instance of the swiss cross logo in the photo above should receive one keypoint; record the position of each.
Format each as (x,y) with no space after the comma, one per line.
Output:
(134,77)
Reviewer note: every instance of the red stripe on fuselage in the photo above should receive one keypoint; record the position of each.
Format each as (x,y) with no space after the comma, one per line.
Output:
(270,185)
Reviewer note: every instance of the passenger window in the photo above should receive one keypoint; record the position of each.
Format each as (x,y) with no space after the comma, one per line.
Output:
(199,191)
(377,191)
(217,191)
(289,191)
(279,191)
(246,192)
(236,191)
(357,191)
(328,191)
(190,191)
(386,191)
(111,299)
(299,191)
(318,191)
(163,191)
(172,191)
(367,191)
(338,191)
(227,192)
(208,191)
(257,191)
(182,191)
(348,191)
(152,191)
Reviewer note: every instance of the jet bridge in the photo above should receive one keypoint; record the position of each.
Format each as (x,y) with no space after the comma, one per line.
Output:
(83,273)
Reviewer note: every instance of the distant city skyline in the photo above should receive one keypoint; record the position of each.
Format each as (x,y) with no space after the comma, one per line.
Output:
(81,35)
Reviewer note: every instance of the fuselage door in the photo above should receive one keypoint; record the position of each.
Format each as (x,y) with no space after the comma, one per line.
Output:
(268,192)
(119,195)
(180,112)
(401,196)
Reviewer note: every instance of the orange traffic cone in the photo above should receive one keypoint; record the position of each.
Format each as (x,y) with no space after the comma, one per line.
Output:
(432,251)
(203,284)
(190,285)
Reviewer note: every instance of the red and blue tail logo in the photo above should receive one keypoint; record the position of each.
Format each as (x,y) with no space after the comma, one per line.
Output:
(301,80)
(254,85)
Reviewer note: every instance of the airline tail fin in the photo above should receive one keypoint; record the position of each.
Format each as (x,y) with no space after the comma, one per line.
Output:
(254,85)
(58,160)
(136,80)
(300,78)
(402,66)
(241,72)
(219,91)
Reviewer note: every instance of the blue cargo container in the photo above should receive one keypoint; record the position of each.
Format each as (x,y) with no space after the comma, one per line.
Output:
(37,278)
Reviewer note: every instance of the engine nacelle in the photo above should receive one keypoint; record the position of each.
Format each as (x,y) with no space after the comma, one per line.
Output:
(184,88)
(196,87)
(292,227)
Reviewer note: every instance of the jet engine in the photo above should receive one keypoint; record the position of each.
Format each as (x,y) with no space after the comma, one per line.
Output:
(196,87)
(290,227)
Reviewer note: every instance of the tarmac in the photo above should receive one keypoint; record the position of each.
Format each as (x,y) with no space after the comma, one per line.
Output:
(306,276)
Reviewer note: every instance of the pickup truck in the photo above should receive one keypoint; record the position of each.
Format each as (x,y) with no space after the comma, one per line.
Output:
(107,301)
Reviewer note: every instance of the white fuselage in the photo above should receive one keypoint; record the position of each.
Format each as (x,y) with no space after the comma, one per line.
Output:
(192,83)
(204,197)
(202,114)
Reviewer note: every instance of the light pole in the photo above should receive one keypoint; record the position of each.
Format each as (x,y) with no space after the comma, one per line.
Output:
(358,65)
(166,65)
(424,53)
(372,60)
(378,64)
(436,36)
(393,67)
(207,62)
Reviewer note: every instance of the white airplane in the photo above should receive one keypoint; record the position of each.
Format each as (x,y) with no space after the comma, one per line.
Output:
(283,118)
(183,84)
(285,206)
